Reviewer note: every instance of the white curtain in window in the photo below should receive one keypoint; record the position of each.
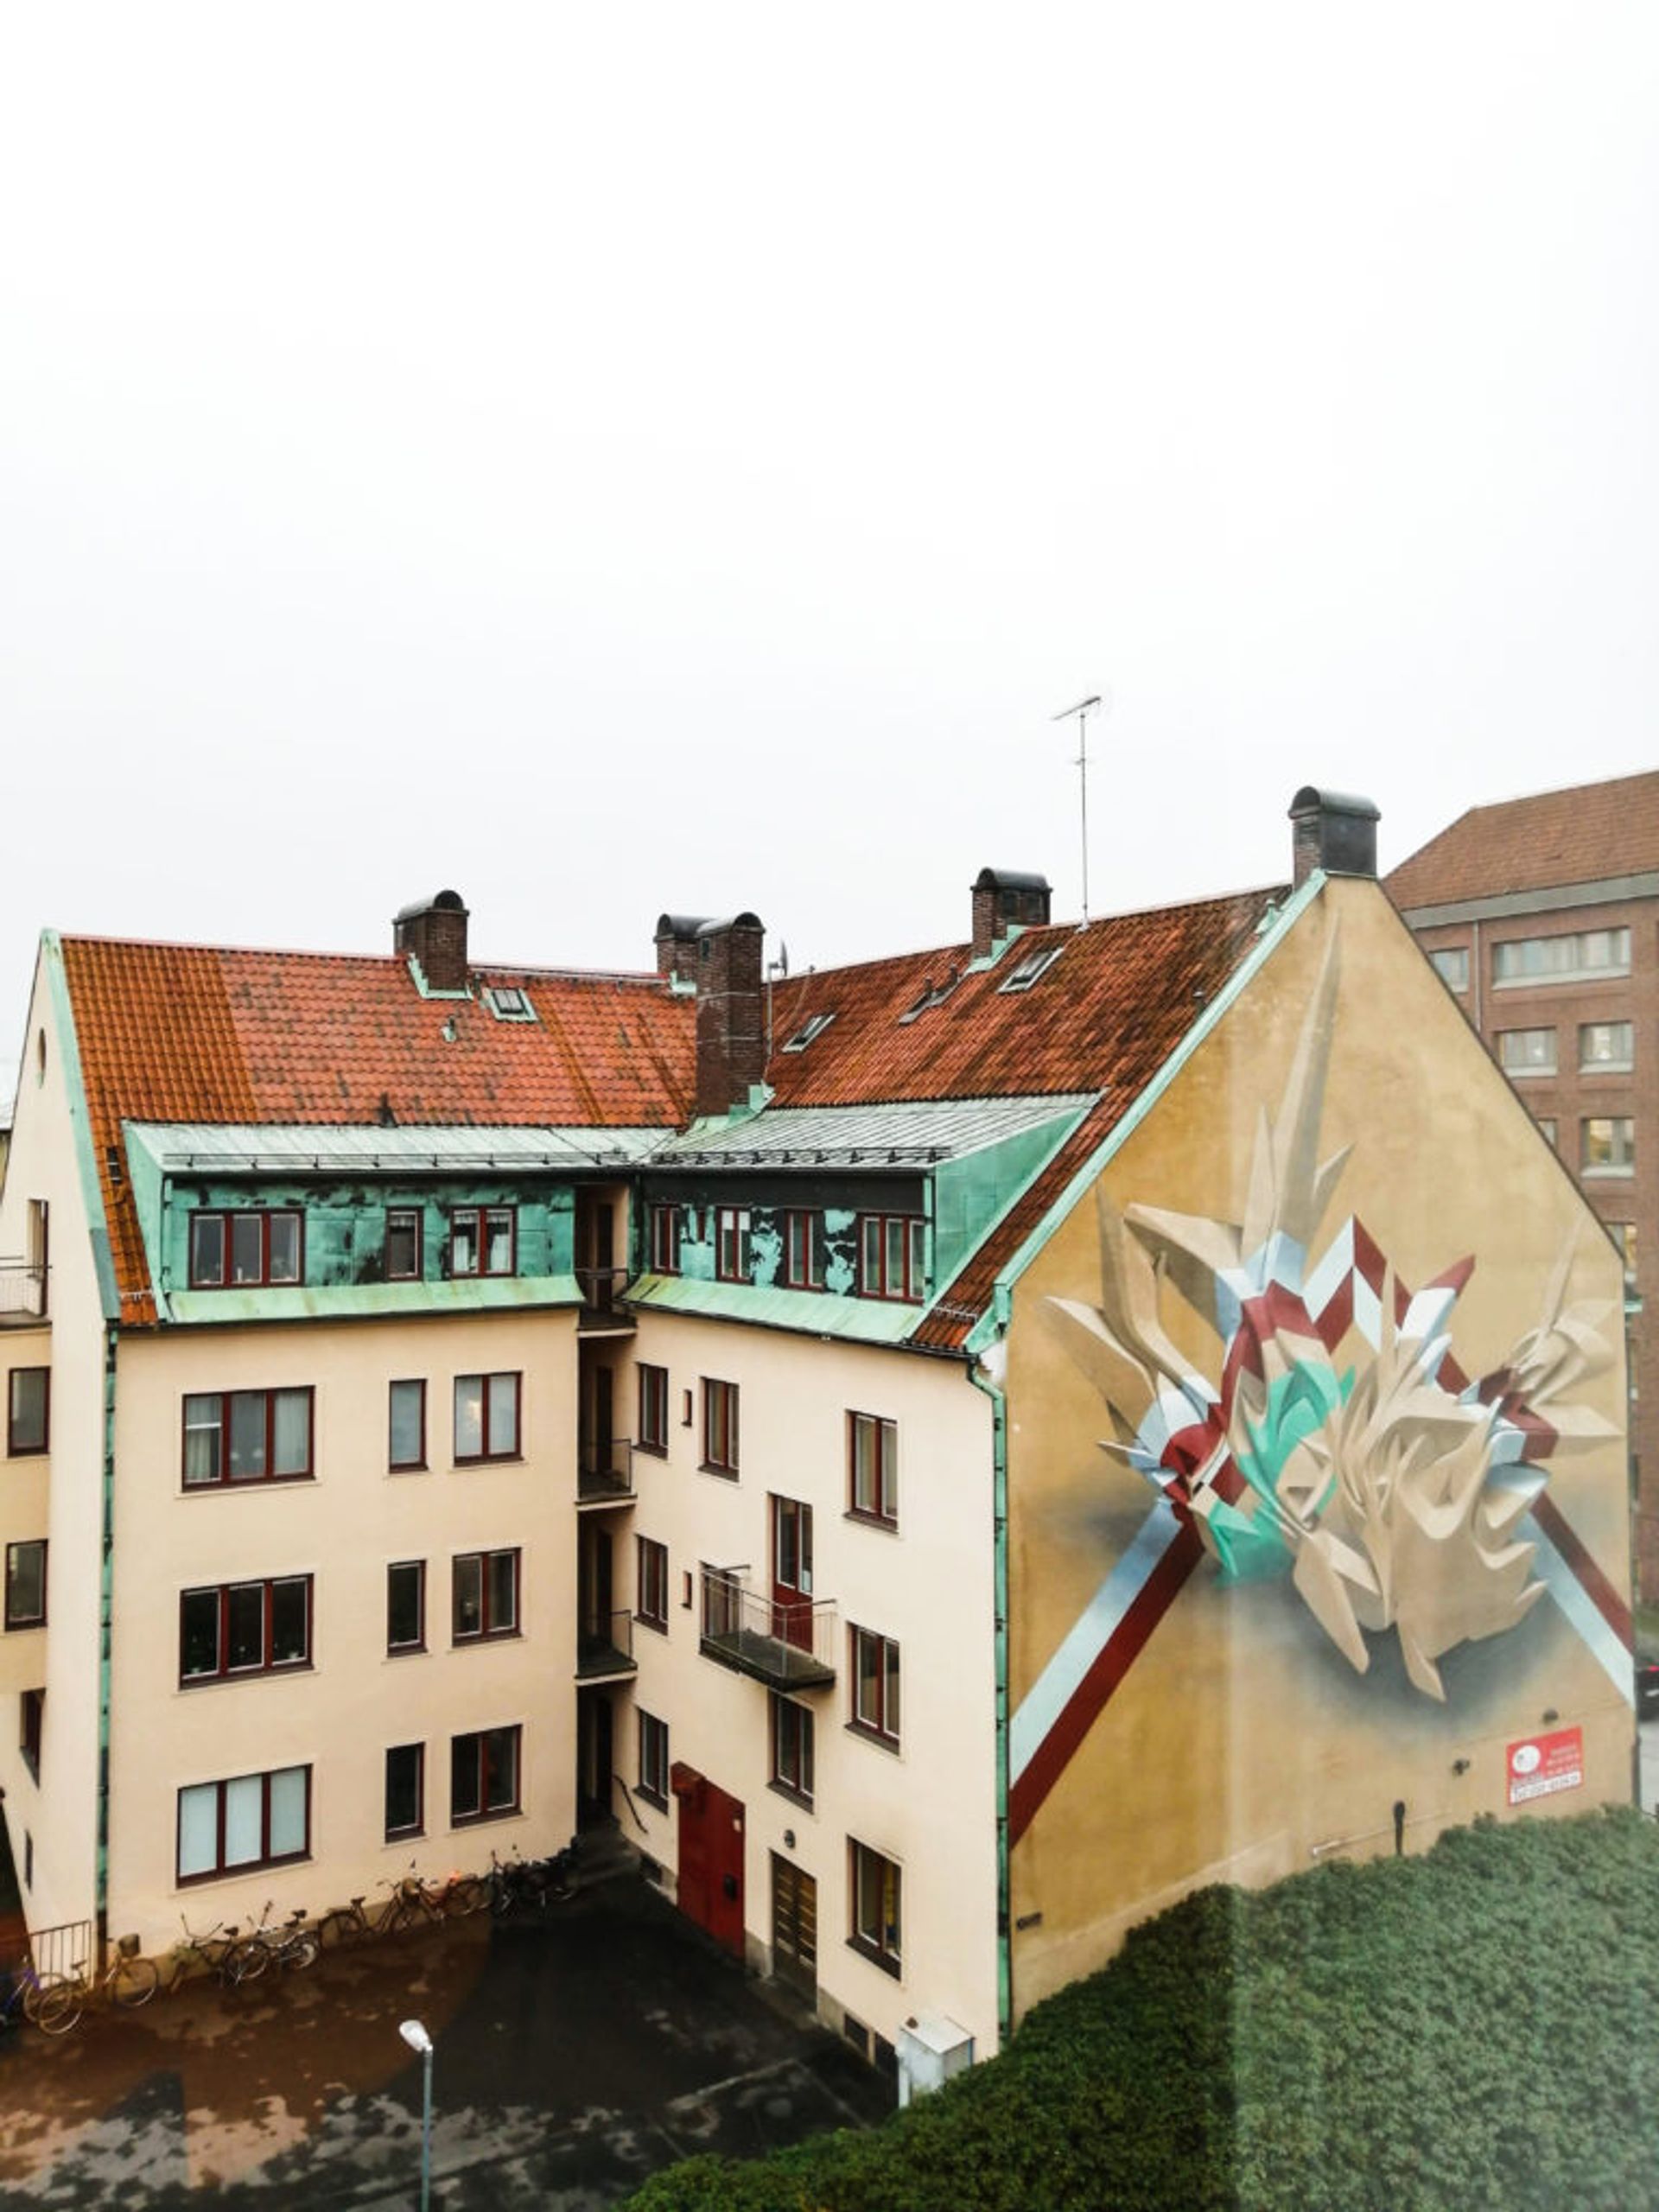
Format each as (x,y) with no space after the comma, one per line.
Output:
(503,1413)
(244,1805)
(291,1444)
(198,1829)
(288,1811)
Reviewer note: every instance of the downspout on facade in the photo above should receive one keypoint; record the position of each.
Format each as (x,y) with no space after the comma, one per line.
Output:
(982,1381)
(105,1651)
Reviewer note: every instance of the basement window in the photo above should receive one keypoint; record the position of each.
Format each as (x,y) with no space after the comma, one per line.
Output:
(508,1003)
(1034,966)
(814,1026)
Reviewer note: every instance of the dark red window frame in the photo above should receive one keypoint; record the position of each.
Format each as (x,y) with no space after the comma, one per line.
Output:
(32,1728)
(417,1827)
(733,1261)
(488,1450)
(802,1269)
(418,1642)
(406,1466)
(477,1747)
(269,1665)
(223,1479)
(884,1514)
(653,1408)
(714,1392)
(664,1239)
(878,1282)
(479,1218)
(219,1871)
(650,1583)
(488,1627)
(652,1784)
(793,1742)
(406,1217)
(28,1544)
(884,1946)
(25,1451)
(225,1279)
(882,1725)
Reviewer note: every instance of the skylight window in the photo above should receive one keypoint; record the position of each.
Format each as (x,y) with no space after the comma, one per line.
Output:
(932,994)
(814,1026)
(509,1003)
(1033,967)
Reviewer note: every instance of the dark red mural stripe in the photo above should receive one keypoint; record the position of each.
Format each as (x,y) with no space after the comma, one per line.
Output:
(1600,1592)
(1119,1653)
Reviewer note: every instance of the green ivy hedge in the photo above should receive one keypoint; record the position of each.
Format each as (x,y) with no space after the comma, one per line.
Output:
(1477,2027)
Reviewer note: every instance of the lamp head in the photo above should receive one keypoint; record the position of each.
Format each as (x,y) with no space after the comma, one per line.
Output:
(417,2037)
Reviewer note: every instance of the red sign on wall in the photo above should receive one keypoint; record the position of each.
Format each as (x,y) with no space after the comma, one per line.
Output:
(1538,1766)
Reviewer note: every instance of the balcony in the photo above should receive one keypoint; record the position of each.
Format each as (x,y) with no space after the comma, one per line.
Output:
(605,1647)
(787,1647)
(599,1313)
(23,1293)
(604,1474)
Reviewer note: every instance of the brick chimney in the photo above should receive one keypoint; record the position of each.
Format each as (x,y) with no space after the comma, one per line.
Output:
(677,943)
(1003,897)
(731,1012)
(1334,832)
(435,931)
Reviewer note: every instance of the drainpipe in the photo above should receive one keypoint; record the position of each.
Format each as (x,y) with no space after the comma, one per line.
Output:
(106,1616)
(999,1557)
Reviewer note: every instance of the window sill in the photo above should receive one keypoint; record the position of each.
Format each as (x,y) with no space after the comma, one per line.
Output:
(709,1467)
(1608,1067)
(395,1836)
(482,1819)
(409,1651)
(221,1484)
(236,1873)
(655,1451)
(1532,1075)
(889,1521)
(22,1628)
(649,1621)
(887,1963)
(410,1467)
(874,1736)
(488,1460)
(1607,1174)
(247,1674)
(1566,976)
(795,1797)
(651,1797)
(486,1636)
(27,1451)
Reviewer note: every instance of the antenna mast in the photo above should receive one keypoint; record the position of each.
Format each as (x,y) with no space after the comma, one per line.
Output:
(1083,709)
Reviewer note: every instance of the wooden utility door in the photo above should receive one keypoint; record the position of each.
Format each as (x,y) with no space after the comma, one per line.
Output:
(791,1571)
(594,1756)
(711,1857)
(795,1927)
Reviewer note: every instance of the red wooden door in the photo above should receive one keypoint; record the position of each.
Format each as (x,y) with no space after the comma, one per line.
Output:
(711,1857)
(791,1571)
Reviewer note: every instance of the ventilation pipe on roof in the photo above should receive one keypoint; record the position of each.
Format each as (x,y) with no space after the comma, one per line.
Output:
(433,932)
(1003,897)
(1332,831)
(731,1013)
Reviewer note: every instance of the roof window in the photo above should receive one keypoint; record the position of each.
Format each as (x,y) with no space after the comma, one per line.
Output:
(508,1003)
(814,1026)
(1032,967)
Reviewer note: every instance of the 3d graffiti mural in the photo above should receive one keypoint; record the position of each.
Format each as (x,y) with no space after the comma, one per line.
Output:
(1331,1435)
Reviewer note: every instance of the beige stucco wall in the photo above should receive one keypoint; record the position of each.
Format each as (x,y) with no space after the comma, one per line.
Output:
(1242,1744)
(59,1498)
(345,1528)
(929,1806)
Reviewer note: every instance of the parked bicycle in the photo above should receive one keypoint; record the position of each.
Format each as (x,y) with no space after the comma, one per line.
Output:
(53,2005)
(291,1945)
(224,1952)
(530,1884)
(411,1903)
(128,1981)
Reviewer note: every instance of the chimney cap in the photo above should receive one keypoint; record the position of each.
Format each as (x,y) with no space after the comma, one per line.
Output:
(1312,800)
(1009,879)
(440,902)
(743,921)
(681,926)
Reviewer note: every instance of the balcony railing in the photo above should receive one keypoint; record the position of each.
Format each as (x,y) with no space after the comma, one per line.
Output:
(22,1291)
(599,1288)
(786,1646)
(605,1647)
(605,1473)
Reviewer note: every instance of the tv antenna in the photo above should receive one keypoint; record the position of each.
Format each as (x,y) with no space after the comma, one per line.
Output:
(1097,702)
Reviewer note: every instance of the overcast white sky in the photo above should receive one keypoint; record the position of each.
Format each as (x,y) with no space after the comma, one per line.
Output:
(612,458)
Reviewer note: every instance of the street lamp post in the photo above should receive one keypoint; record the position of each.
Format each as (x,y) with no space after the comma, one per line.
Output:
(419,2040)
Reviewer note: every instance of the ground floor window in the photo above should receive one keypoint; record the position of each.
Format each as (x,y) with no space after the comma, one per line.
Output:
(792,1748)
(484,1774)
(653,1758)
(257,1819)
(26,1584)
(405,1789)
(874,1884)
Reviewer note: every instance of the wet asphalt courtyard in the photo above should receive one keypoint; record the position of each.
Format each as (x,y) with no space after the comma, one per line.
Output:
(574,2056)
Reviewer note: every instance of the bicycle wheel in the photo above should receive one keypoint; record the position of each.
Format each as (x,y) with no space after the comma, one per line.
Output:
(53,2007)
(338,1930)
(302,1950)
(134,1982)
(466,1897)
(244,1961)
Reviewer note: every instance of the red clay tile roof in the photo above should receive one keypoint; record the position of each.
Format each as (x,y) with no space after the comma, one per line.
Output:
(1580,836)
(1106,1015)
(195,1033)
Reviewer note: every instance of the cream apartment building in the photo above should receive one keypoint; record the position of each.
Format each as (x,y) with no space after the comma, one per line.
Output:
(811,1433)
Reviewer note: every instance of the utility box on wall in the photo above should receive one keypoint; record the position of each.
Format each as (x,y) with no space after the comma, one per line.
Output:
(931,2049)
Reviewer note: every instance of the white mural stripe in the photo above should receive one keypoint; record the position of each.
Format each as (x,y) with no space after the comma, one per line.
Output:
(1088,1636)
(1582,1612)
